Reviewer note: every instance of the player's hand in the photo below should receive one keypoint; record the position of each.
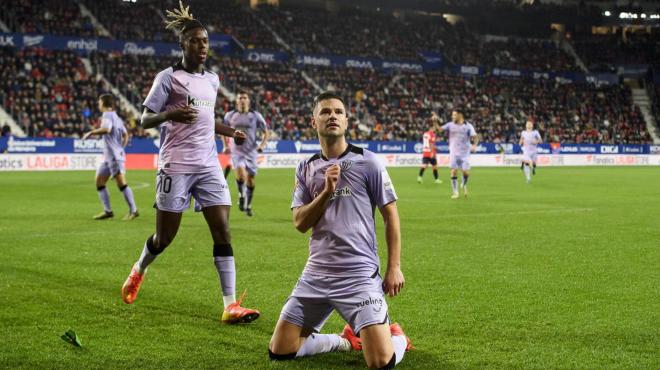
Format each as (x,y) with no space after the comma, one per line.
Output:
(184,115)
(473,148)
(87,135)
(226,150)
(239,137)
(332,177)
(434,117)
(393,282)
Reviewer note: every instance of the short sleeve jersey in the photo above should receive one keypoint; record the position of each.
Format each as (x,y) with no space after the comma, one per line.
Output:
(529,139)
(343,242)
(429,150)
(113,150)
(459,137)
(186,148)
(250,122)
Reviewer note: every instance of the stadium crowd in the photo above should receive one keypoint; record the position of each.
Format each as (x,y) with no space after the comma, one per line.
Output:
(53,94)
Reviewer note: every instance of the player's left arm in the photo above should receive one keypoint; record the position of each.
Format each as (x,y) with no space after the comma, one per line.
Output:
(394,280)
(264,141)
(228,131)
(474,138)
(124,138)
(98,131)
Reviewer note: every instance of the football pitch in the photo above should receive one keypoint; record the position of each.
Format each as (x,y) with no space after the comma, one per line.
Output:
(561,273)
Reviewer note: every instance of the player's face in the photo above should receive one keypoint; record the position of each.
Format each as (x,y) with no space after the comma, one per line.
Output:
(100,103)
(243,102)
(529,126)
(456,116)
(195,46)
(330,119)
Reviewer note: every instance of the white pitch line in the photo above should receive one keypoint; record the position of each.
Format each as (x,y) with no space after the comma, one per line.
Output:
(141,185)
(551,210)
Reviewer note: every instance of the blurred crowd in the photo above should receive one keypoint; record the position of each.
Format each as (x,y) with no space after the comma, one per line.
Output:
(53,93)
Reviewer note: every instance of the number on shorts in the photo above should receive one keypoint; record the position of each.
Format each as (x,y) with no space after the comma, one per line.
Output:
(164,184)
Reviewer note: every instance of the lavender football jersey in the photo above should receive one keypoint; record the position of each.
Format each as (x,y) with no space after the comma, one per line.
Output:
(529,139)
(343,242)
(186,148)
(249,122)
(113,150)
(459,137)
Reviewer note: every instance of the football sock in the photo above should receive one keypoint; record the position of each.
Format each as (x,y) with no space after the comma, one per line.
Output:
(223,257)
(248,194)
(465,180)
(454,184)
(239,185)
(148,255)
(421,172)
(227,170)
(104,196)
(534,168)
(322,343)
(435,174)
(399,342)
(527,174)
(128,196)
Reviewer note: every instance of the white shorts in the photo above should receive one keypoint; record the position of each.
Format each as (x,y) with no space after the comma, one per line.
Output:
(459,162)
(247,161)
(530,155)
(173,191)
(112,168)
(358,300)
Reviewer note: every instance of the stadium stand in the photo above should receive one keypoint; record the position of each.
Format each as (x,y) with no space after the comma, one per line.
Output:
(51,94)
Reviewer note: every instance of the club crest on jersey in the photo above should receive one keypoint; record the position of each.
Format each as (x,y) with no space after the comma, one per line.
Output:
(345,165)
(194,102)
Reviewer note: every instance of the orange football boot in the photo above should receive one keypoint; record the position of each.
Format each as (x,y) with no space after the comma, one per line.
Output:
(235,314)
(348,334)
(131,286)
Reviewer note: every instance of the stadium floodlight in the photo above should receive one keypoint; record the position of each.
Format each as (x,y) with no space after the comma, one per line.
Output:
(607,13)
(643,15)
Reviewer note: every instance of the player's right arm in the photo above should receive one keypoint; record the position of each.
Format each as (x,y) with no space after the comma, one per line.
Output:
(152,119)
(436,121)
(154,114)
(521,141)
(306,216)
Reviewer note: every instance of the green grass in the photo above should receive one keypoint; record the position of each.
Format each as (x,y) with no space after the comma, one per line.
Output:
(562,273)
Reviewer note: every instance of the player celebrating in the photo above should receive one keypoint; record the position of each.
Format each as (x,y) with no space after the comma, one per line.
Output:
(461,134)
(115,138)
(529,141)
(244,157)
(335,195)
(429,151)
(181,100)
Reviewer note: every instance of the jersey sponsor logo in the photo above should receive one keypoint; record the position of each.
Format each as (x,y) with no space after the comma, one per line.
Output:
(375,302)
(195,102)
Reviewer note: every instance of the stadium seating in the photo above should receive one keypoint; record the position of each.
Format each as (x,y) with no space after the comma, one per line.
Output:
(51,94)
(55,17)
(383,105)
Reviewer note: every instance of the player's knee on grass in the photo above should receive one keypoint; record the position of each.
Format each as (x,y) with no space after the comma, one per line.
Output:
(382,362)
(281,357)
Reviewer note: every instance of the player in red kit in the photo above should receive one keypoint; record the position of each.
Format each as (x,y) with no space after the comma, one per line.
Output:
(429,151)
